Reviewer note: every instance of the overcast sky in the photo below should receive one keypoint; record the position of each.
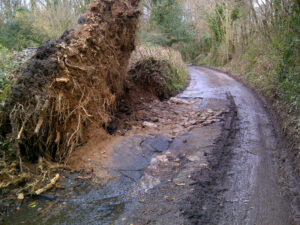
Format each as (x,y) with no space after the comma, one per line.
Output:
(258,1)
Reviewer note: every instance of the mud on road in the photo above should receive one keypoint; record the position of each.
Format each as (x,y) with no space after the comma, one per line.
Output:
(208,156)
(243,180)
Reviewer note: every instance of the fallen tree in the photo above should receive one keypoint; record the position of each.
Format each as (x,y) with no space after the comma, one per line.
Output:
(73,82)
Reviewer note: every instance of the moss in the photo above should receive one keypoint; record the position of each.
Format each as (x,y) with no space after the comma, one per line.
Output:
(178,79)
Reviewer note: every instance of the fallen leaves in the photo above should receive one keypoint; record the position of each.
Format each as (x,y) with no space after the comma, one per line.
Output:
(162,158)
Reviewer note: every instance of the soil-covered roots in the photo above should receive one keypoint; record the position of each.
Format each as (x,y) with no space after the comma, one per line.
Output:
(160,71)
(31,179)
(74,81)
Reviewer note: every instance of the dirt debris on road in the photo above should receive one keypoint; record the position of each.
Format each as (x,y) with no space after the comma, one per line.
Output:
(187,174)
(152,143)
(171,118)
(219,167)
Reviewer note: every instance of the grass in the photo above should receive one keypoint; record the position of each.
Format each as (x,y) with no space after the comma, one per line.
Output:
(7,65)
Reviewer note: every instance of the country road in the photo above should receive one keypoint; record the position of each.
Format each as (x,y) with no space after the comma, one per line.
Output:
(211,157)
(246,186)
(253,193)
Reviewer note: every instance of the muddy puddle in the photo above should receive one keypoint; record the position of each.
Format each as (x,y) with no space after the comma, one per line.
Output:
(81,202)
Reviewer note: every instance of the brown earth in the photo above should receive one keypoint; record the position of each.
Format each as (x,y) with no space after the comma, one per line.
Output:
(140,113)
(227,168)
(67,88)
(74,82)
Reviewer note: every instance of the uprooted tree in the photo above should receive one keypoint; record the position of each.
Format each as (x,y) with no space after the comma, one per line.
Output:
(73,82)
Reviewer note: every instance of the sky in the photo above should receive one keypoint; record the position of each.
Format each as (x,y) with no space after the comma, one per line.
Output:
(258,1)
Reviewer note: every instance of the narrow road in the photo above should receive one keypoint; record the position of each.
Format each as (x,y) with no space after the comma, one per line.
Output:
(211,157)
(253,193)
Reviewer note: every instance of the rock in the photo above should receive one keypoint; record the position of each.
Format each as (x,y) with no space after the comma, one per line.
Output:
(155,144)
(25,54)
(193,122)
(149,124)
(20,196)
(162,158)
(133,175)
(193,158)
(209,111)
(179,101)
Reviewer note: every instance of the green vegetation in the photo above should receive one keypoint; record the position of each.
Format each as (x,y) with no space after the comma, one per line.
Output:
(6,66)
(165,23)
(26,25)
(258,41)
(178,79)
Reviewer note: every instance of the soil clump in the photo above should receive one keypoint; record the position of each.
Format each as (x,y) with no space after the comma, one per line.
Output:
(73,82)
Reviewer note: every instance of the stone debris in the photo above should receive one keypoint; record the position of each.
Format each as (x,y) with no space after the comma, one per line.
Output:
(148,124)
(172,118)
(162,158)
(179,101)
(25,54)
(20,196)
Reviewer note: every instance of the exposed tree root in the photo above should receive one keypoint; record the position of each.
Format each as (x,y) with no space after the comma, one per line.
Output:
(73,82)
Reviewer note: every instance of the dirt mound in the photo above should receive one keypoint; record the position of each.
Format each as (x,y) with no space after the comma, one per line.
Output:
(152,75)
(74,81)
(155,76)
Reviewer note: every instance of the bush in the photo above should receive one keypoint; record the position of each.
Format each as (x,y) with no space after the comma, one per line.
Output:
(56,19)
(190,51)
(6,66)
(32,26)
(19,32)
(168,24)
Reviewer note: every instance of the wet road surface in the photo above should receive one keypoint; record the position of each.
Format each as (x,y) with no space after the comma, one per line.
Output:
(253,193)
